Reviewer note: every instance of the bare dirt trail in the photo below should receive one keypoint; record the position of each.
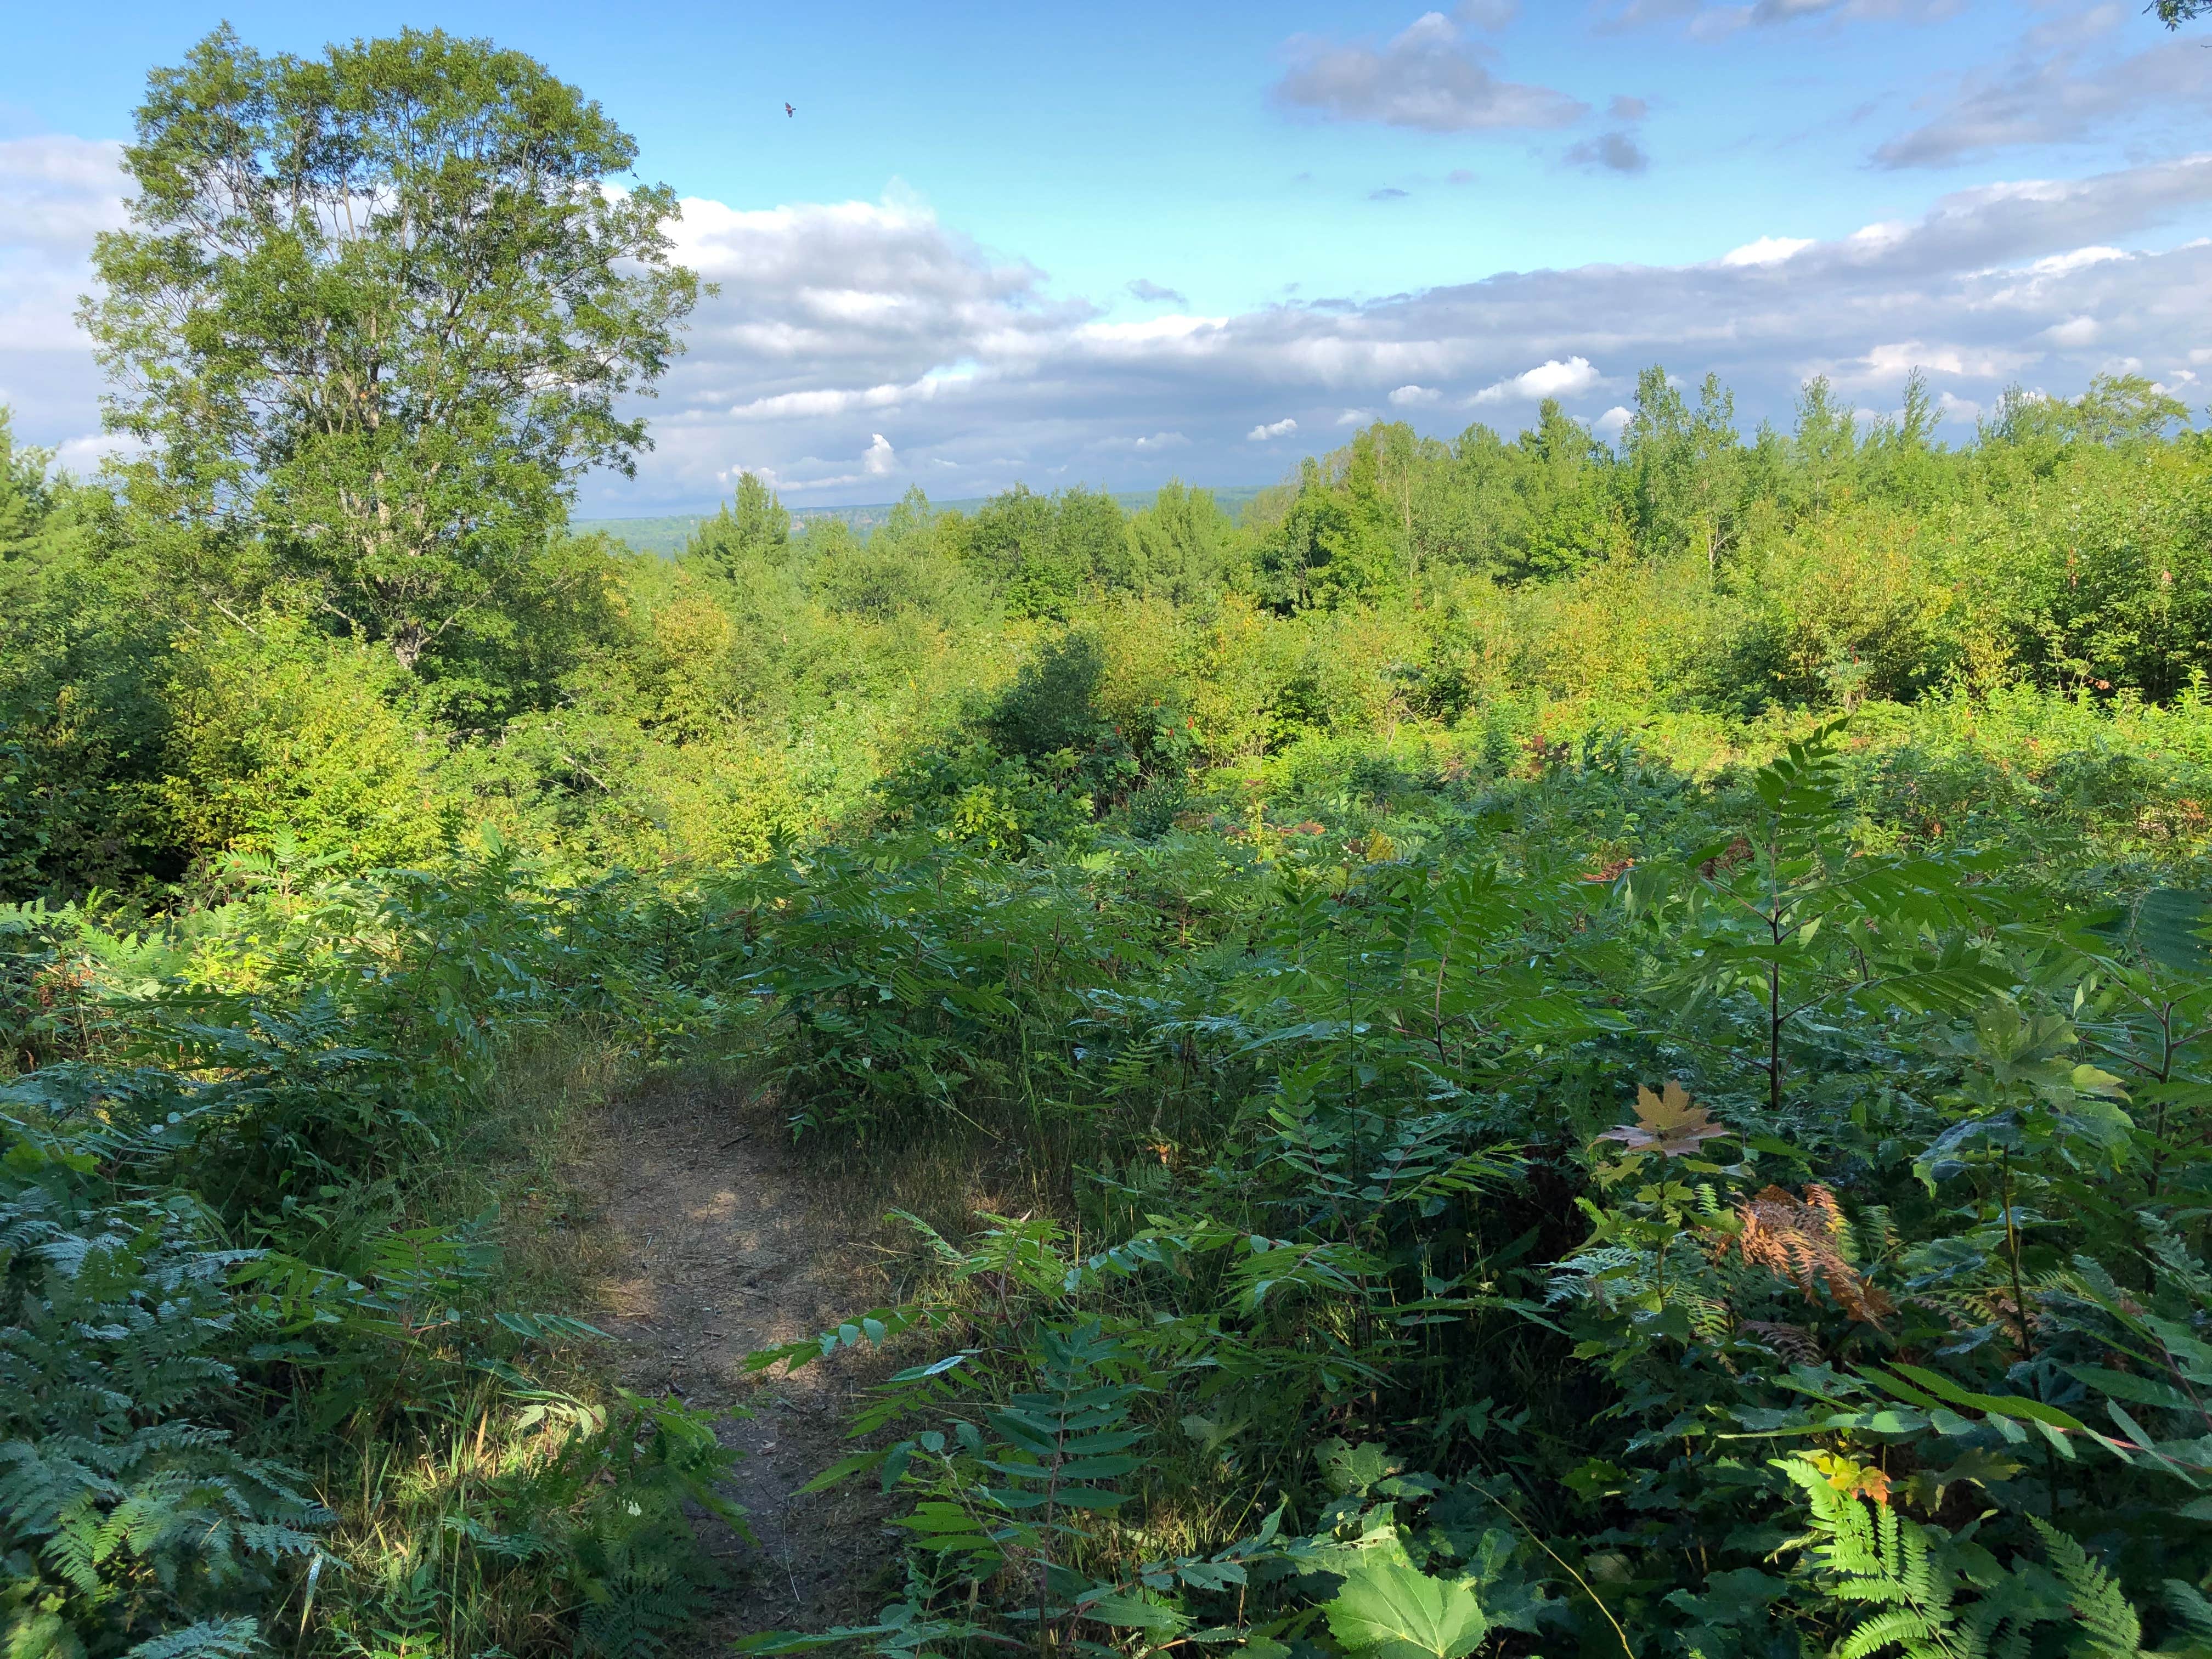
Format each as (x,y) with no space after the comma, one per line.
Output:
(714,1243)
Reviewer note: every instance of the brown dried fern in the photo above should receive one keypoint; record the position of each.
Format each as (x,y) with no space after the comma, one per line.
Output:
(1803,1240)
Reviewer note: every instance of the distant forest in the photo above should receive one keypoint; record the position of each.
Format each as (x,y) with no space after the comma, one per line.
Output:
(668,533)
(762,682)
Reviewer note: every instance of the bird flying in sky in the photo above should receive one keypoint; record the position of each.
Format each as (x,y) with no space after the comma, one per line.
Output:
(787,110)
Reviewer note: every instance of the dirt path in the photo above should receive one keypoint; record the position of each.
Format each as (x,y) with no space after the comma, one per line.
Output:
(715,1245)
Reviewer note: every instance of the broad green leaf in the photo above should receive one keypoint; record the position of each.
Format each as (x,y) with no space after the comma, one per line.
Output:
(1127,1611)
(1392,1611)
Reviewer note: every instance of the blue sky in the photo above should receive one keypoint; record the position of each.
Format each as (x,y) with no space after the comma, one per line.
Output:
(1068,243)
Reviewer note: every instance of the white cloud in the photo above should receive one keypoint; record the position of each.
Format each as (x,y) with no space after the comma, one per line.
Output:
(1426,76)
(1152,332)
(1414,397)
(86,454)
(831,400)
(1610,425)
(1550,380)
(59,192)
(56,193)
(839,321)
(991,379)
(880,456)
(2073,331)
(1766,251)
(1890,364)
(2059,264)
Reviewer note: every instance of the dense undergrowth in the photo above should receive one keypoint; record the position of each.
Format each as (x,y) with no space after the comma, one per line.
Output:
(1552,1198)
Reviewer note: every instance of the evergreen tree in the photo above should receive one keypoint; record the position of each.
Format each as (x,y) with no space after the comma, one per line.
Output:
(753,526)
(1183,543)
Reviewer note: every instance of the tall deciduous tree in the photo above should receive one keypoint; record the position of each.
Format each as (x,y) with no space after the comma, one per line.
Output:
(380,309)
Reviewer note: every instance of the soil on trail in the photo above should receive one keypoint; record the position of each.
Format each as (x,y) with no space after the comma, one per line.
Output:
(713,1245)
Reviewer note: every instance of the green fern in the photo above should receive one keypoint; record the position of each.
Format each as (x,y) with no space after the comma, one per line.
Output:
(2110,1628)
(1868,1554)
(214,1638)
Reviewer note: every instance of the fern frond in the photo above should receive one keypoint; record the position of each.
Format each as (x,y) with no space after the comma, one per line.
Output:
(2099,1606)
(213,1639)
(2191,1607)
(1902,1627)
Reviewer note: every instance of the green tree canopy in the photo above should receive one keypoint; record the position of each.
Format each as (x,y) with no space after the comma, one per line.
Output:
(1337,541)
(754,525)
(1183,543)
(379,307)
(25,494)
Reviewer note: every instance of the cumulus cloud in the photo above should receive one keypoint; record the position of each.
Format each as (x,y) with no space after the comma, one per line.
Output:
(839,322)
(1891,363)
(1550,380)
(2067,93)
(1766,251)
(1611,152)
(1414,397)
(1625,108)
(1428,76)
(85,455)
(1153,293)
(876,293)
(56,193)
(59,192)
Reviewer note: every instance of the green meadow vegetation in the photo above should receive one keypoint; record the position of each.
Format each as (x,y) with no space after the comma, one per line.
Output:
(1619,1034)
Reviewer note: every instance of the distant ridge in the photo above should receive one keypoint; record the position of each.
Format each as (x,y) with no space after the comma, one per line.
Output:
(667,535)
